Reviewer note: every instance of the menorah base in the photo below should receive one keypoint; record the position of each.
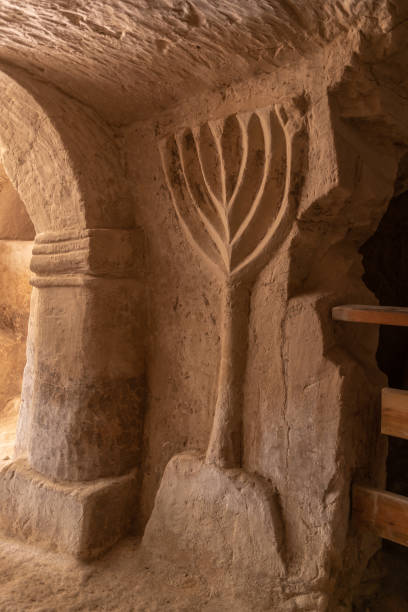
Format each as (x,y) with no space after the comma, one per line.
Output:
(213,519)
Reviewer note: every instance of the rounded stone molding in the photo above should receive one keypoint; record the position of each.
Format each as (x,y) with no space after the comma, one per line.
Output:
(81,257)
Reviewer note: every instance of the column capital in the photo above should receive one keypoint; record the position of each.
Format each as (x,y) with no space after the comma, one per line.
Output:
(80,257)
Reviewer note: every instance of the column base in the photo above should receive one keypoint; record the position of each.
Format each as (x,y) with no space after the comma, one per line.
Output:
(80,518)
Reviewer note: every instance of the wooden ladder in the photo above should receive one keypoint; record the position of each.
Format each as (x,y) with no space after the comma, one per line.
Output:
(383,512)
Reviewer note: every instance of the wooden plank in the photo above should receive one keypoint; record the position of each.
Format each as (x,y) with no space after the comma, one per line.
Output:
(384,513)
(394,413)
(380,315)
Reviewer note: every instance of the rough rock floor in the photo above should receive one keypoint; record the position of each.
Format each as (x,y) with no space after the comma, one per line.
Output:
(126,580)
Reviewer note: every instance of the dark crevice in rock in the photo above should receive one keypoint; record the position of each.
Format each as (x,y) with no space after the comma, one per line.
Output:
(385,260)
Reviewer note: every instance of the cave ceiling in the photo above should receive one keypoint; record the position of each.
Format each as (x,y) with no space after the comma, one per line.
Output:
(130,58)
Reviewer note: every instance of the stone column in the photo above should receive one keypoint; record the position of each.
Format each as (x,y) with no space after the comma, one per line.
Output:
(81,413)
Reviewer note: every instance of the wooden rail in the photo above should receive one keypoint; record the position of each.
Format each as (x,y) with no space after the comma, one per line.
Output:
(394,413)
(383,512)
(380,315)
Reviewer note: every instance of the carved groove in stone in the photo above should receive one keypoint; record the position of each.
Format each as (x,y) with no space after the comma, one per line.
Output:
(79,257)
(230,182)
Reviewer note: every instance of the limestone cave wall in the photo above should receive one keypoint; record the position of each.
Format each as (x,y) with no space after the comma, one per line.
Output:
(16,240)
(311,390)
(129,308)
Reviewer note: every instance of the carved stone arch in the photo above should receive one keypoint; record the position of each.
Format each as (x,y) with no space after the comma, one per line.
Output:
(84,369)
(62,159)
(36,161)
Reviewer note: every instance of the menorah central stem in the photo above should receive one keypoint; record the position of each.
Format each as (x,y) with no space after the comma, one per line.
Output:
(225,446)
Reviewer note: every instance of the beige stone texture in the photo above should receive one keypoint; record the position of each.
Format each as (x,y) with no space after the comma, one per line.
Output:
(82,519)
(15,287)
(311,391)
(8,427)
(201,177)
(15,224)
(14,310)
(127,58)
(193,498)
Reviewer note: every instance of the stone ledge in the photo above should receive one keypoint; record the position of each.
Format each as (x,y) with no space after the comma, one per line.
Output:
(82,519)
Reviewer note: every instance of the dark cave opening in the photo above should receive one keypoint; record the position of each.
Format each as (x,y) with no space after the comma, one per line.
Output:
(385,261)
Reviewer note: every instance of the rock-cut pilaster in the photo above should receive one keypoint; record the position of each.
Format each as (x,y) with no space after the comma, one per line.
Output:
(80,423)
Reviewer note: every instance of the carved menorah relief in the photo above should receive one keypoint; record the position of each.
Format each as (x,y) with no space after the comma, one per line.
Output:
(229,180)
(231,186)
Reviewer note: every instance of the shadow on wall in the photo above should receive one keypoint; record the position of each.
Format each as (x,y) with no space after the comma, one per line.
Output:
(16,240)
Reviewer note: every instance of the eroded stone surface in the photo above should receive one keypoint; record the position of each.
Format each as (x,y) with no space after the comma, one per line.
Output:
(129,58)
(8,426)
(14,310)
(81,519)
(15,224)
(226,520)
(308,389)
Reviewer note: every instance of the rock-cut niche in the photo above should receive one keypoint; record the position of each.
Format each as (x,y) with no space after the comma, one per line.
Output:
(16,241)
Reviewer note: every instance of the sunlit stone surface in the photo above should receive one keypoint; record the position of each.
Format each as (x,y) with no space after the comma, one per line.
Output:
(187,186)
